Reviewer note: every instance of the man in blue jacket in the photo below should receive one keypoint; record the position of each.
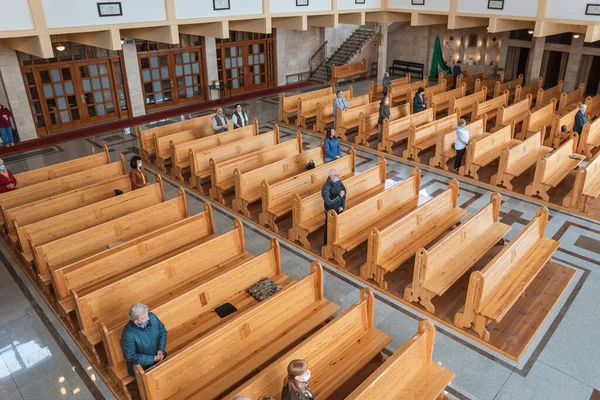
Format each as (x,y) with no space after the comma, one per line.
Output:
(334,196)
(144,339)
(580,119)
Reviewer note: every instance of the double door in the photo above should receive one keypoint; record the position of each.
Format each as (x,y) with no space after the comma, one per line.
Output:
(245,66)
(172,77)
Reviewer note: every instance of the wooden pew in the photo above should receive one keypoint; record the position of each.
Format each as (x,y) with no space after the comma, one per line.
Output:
(222,173)
(191,315)
(146,136)
(466,105)
(348,71)
(110,265)
(425,136)
(397,130)
(51,172)
(377,88)
(444,263)
(430,91)
(409,373)
(545,97)
(333,361)
(352,227)
(389,248)
(590,139)
(200,161)
(511,86)
(248,185)
(533,88)
(224,357)
(74,247)
(516,112)
(469,80)
(162,281)
(481,152)
(593,107)
(325,111)
(80,219)
(586,186)
(289,104)
(349,119)
(402,93)
(368,124)
(538,120)
(552,169)
(571,101)
(163,145)
(493,290)
(441,101)
(66,183)
(557,137)
(444,145)
(490,107)
(180,153)
(277,197)
(18,217)
(307,109)
(514,161)
(488,83)
(307,211)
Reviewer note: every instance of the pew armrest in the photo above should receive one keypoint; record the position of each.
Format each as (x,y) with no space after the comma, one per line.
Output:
(428,383)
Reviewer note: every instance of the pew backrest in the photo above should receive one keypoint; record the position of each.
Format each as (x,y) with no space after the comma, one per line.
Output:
(308,107)
(511,86)
(593,106)
(590,138)
(489,83)
(377,88)
(490,107)
(569,101)
(517,112)
(465,105)
(441,101)
(368,122)
(289,104)
(521,92)
(540,118)
(545,97)
(555,161)
(348,70)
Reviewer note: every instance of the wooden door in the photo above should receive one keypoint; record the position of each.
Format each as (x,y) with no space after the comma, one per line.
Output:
(188,75)
(157,80)
(234,67)
(256,66)
(98,91)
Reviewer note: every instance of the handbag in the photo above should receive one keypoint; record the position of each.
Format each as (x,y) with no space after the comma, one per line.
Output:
(310,165)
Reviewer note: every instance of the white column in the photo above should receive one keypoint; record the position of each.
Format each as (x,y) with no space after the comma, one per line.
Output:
(134,81)
(16,95)
(212,71)
(382,50)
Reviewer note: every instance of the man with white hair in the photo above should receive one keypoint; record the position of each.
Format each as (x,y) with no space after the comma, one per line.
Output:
(580,119)
(334,196)
(144,339)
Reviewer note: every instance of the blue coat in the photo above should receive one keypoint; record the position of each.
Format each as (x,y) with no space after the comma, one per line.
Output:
(141,345)
(332,149)
(418,104)
(580,121)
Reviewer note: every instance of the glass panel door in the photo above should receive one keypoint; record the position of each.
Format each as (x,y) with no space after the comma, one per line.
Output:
(257,66)
(61,101)
(234,67)
(188,74)
(98,91)
(157,80)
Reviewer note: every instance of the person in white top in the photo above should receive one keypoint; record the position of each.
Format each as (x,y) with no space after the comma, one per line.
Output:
(239,118)
(462,139)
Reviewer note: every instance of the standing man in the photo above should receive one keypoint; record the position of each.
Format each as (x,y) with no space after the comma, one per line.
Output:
(580,119)
(387,82)
(334,196)
(239,118)
(219,121)
(419,101)
(456,71)
(339,102)
(384,112)
(6,127)
(462,139)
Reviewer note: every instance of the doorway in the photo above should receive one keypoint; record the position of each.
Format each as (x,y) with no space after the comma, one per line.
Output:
(555,67)
(522,63)
(593,80)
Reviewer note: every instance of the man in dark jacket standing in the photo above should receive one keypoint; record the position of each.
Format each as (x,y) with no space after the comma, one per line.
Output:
(144,339)
(384,112)
(386,83)
(580,119)
(456,71)
(334,196)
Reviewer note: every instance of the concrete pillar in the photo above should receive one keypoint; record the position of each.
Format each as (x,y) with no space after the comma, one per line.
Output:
(575,56)
(212,70)
(534,65)
(382,50)
(134,81)
(15,94)
(503,38)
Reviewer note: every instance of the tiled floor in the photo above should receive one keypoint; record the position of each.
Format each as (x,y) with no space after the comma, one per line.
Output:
(38,359)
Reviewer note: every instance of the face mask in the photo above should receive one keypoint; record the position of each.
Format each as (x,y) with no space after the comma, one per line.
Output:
(143,325)
(139,165)
(2,168)
(305,377)
(335,179)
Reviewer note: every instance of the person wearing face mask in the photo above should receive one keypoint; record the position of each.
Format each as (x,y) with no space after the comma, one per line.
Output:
(339,102)
(384,112)
(332,146)
(7,181)
(334,196)
(419,101)
(138,175)
(219,121)
(6,127)
(462,140)
(295,384)
(144,339)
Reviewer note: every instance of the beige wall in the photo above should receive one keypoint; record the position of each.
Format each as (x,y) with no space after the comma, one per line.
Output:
(294,48)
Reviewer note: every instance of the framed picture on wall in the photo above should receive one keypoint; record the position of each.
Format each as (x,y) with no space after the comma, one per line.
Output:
(496,4)
(110,9)
(417,2)
(592,9)
(301,3)
(359,1)
(221,5)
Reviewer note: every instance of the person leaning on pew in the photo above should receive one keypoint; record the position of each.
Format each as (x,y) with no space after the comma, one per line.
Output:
(295,385)
(7,181)
(144,339)
(339,102)
(384,112)
(580,119)
(334,196)
(219,121)
(462,139)
(332,146)
(137,175)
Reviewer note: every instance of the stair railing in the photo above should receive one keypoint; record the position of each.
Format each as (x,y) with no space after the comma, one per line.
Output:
(355,48)
(318,58)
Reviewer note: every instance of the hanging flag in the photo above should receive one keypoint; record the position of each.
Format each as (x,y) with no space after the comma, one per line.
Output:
(438,60)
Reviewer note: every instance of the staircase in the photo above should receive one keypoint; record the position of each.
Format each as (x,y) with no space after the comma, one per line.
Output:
(320,67)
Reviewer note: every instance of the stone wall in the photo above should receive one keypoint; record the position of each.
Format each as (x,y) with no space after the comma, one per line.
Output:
(294,48)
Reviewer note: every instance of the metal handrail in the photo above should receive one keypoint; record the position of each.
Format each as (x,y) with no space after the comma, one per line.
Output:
(320,52)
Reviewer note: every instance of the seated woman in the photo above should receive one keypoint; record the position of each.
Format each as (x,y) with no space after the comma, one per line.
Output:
(332,146)
(7,180)
(138,175)
(144,339)
(295,385)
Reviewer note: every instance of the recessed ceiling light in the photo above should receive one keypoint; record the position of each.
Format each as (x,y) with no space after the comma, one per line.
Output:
(530,31)
(60,47)
(576,36)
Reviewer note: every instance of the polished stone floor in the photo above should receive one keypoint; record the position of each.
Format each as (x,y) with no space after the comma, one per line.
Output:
(38,359)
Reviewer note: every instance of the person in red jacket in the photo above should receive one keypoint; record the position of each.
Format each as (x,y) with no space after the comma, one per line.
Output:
(7,180)
(6,127)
